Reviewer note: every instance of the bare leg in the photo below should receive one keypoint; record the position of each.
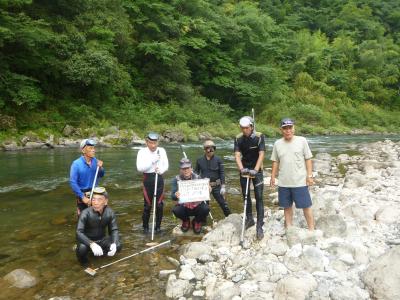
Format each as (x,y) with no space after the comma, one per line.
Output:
(288,216)
(309,217)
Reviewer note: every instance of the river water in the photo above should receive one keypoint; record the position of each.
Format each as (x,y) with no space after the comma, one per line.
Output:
(37,218)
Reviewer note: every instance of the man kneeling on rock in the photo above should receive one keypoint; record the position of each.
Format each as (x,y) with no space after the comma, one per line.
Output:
(183,211)
(91,229)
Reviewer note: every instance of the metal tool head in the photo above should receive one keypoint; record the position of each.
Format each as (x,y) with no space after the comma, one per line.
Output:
(90,271)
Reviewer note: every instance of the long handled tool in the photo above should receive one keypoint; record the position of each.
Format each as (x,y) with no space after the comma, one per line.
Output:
(212,219)
(93,272)
(244,210)
(93,185)
(154,207)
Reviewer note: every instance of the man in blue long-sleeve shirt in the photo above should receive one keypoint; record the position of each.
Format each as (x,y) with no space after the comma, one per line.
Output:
(82,173)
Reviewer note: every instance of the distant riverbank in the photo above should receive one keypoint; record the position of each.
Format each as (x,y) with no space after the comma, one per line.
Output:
(113,136)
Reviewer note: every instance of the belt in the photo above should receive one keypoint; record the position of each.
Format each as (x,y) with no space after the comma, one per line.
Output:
(215,183)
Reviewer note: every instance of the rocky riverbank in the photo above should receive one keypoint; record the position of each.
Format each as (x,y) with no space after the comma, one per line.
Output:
(353,254)
(71,137)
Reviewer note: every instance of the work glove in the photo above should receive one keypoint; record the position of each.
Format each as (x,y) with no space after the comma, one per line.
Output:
(113,249)
(97,251)
(244,171)
(252,173)
(223,190)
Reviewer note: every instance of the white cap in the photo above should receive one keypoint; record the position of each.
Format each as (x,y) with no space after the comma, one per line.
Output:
(87,142)
(246,121)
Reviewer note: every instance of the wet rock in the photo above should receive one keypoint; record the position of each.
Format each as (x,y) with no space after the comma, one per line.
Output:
(35,145)
(196,249)
(11,146)
(60,220)
(295,288)
(20,278)
(332,225)
(382,277)
(173,261)
(178,287)
(66,142)
(166,273)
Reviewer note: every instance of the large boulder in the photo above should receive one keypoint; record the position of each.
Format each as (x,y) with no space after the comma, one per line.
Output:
(227,232)
(322,166)
(21,279)
(196,249)
(173,136)
(388,214)
(295,288)
(332,225)
(382,277)
(177,288)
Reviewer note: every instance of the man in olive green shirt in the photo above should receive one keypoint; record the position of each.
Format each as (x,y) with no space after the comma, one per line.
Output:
(291,155)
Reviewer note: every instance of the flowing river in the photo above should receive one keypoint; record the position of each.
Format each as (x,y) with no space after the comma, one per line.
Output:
(37,218)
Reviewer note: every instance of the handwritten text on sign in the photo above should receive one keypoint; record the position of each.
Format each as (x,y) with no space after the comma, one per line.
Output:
(194,190)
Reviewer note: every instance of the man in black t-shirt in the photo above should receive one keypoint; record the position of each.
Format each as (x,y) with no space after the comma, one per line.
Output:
(211,166)
(249,147)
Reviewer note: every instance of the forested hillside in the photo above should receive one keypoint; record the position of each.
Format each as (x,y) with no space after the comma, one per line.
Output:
(332,65)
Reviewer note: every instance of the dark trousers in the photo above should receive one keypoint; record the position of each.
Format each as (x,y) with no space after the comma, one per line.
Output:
(216,192)
(258,184)
(82,250)
(148,193)
(200,212)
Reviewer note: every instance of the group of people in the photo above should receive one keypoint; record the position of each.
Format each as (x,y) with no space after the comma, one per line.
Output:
(291,163)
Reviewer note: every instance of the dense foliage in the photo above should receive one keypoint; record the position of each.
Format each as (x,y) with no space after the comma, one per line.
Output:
(330,65)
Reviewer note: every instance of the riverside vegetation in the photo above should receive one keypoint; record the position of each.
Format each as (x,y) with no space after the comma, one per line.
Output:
(196,66)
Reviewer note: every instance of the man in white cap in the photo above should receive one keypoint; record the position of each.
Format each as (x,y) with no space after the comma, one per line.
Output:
(82,173)
(198,209)
(151,160)
(249,147)
(291,157)
(211,166)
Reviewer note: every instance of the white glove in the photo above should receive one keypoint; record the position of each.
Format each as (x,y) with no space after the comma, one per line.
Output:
(223,190)
(97,251)
(113,249)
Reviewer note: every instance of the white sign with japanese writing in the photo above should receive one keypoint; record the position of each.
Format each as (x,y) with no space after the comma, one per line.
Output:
(194,190)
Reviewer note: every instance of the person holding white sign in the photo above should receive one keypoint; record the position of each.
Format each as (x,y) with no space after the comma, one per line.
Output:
(198,209)
(152,160)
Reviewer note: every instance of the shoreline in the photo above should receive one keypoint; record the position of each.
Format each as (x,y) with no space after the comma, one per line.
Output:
(354,253)
(128,138)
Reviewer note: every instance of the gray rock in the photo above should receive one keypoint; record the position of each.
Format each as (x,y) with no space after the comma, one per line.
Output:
(382,277)
(199,294)
(10,146)
(226,233)
(223,290)
(332,225)
(348,293)
(173,136)
(248,288)
(196,249)
(322,166)
(295,235)
(294,288)
(60,298)
(173,261)
(204,258)
(21,279)
(186,273)
(323,156)
(35,145)
(388,214)
(178,287)
(343,158)
(166,273)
